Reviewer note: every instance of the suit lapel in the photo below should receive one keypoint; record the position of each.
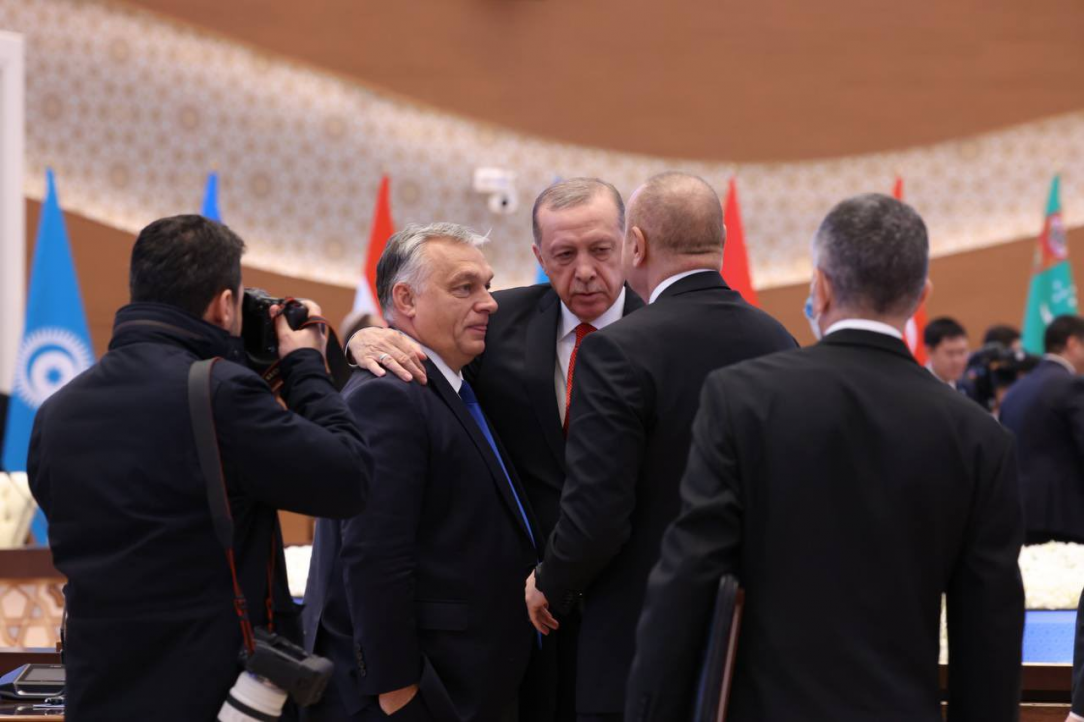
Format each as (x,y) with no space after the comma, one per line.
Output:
(540,360)
(455,403)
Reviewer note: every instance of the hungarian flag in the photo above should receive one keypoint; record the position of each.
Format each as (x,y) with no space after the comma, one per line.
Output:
(1052,292)
(916,327)
(735,268)
(365,300)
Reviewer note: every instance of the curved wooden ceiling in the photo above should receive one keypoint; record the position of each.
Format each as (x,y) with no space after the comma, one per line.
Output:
(705,79)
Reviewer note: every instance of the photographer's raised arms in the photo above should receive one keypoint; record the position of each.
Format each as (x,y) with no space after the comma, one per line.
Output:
(114,464)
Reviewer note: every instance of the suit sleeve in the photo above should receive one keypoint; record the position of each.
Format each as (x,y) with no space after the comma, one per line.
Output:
(699,547)
(36,474)
(604,453)
(986,601)
(311,459)
(1072,409)
(378,552)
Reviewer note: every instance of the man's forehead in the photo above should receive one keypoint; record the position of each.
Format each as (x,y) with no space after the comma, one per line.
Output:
(577,220)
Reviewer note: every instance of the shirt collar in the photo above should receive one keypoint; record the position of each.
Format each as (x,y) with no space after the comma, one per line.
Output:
(674,279)
(1060,360)
(569,320)
(455,380)
(864,324)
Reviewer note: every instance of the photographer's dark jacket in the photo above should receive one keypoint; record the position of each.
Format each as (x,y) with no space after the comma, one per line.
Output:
(151,628)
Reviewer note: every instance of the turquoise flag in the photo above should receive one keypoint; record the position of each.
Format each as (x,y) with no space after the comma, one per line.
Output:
(1052,292)
(56,342)
(210,199)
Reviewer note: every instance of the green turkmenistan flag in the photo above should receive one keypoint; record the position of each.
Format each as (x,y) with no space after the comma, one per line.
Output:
(1052,292)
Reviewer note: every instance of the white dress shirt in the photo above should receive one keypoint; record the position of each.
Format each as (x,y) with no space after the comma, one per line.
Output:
(454,379)
(864,324)
(674,279)
(566,341)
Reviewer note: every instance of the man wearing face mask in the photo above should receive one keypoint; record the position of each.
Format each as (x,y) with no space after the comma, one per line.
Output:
(848,489)
(635,392)
(524,377)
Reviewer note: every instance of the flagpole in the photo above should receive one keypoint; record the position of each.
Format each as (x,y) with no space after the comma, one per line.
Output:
(12,204)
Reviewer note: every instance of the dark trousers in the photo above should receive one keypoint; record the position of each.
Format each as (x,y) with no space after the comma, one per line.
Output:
(616,717)
(548,693)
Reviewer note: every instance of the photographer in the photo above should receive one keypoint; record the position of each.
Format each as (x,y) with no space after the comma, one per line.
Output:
(152,631)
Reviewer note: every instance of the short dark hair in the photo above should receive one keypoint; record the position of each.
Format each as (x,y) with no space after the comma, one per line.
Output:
(572,193)
(1001,333)
(874,250)
(1060,330)
(185,261)
(941,329)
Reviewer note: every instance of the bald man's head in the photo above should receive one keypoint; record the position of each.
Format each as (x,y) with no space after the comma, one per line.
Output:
(679,214)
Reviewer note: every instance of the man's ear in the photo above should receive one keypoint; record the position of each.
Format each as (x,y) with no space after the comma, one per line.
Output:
(538,256)
(639,246)
(823,293)
(403,300)
(222,311)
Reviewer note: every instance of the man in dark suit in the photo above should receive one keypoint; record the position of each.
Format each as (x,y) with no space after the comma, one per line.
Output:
(634,396)
(1045,410)
(848,489)
(113,464)
(415,600)
(522,376)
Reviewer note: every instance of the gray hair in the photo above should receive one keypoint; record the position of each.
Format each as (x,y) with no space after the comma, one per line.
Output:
(573,193)
(875,251)
(401,261)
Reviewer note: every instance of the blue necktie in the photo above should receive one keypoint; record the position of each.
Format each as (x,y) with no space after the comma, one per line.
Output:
(471,401)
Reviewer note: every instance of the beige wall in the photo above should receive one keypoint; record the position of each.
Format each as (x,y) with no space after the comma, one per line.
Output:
(978,288)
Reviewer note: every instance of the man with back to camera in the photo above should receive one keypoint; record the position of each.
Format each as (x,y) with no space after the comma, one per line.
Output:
(151,626)
(633,399)
(417,599)
(522,377)
(848,490)
(946,350)
(1045,410)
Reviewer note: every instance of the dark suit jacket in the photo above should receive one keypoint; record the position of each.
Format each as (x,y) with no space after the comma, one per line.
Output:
(1045,410)
(427,583)
(848,489)
(113,465)
(514,380)
(636,390)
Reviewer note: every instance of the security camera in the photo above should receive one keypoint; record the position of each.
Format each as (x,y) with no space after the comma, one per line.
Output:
(503,203)
(500,185)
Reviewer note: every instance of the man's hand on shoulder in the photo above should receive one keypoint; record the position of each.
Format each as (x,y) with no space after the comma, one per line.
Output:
(392,702)
(377,348)
(313,337)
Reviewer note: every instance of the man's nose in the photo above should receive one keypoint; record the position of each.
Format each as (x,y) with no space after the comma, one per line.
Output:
(488,304)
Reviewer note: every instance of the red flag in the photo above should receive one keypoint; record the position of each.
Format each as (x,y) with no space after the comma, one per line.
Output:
(365,301)
(735,268)
(916,326)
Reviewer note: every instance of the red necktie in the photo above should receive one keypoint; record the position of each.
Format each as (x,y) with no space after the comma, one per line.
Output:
(581,331)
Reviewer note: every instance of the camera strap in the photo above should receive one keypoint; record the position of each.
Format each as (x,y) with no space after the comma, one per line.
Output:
(210,461)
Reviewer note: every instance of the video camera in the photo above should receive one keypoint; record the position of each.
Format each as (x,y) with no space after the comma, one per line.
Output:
(995,367)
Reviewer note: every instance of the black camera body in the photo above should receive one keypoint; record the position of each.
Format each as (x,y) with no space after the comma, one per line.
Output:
(995,367)
(299,674)
(258,327)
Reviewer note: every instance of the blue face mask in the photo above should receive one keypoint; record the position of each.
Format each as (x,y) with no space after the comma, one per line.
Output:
(814,326)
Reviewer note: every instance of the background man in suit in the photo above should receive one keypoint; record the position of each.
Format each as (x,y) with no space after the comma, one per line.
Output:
(522,377)
(848,490)
(416,598)
(113,465)
(946,349)
(1045,410)
(633,399)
